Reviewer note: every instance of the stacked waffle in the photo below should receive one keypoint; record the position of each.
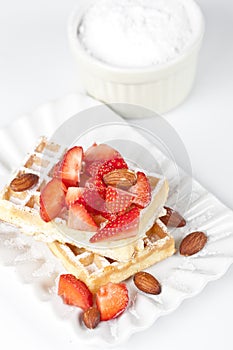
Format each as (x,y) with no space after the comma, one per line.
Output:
(90,256)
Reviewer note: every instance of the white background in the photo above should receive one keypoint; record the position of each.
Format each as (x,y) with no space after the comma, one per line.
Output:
(35,67)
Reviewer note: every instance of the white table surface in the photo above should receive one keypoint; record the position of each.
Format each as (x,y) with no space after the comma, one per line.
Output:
(35,67)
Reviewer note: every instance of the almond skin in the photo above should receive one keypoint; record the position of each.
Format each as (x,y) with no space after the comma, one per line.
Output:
(24,182)
(91,317)
(173,218)
(147,283)
(121,178)
(193,243)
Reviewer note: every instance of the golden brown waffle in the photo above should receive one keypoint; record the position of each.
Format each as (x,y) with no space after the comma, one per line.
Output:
(96,270)
(93,265)
(21,209)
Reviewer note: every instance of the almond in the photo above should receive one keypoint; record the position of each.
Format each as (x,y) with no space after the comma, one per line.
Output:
(122,178)
(173,218)
(147,283)
(193,243)
(24,182)
(91,317)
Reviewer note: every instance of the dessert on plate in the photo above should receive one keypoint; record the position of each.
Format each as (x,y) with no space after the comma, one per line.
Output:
(93,210)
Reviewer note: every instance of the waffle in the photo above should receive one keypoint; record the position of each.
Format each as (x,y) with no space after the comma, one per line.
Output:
(97,270)
(92,264)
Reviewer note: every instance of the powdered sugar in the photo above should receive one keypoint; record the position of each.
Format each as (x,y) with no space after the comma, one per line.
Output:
(136,33)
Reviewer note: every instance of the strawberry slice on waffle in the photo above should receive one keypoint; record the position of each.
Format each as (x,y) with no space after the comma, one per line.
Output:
(141,190)
(124,226)
(80,219)
(73,195)
(71,166)
(52,199)
(96,155)
(117,200)
(100,153)
(110,165)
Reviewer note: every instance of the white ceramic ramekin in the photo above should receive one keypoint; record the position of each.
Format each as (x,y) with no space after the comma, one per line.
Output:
(159,88)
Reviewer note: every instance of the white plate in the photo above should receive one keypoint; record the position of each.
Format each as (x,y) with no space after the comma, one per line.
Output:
(181,277)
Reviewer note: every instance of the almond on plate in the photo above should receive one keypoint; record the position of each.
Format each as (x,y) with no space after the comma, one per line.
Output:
(91,317)
(193,243)
(147,283)
(172,218)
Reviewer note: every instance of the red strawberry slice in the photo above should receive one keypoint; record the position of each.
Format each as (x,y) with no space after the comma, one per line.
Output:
(142,190)
(64,214)
(93,201)
(83,179)
(124,226)
(110,165)
(80,219)
(112,300)
(92,168)
(73,195)
(117,200)
(71,166)
(96,184)
(94,195)
(100,153)
(109,216)
(74,292)
(99,219)
(52,200)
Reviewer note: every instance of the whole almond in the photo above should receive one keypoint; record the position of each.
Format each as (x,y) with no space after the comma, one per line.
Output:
(147,283)
(193,243)
(122,178)
(91,317)
(24,182)
(172,218)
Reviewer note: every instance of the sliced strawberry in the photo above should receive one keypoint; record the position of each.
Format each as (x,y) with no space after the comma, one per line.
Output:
(112,300)
(99,219)
(80,219)
(74,292)
(64,213)
(96,183)
(73,195)
(117,200)
(110,165)
(52,200)
(100,153)
(83,179)
(141,190)
(124,226)
(94,195)
(92,168)
(109,216)
(71,166)
(93,201)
